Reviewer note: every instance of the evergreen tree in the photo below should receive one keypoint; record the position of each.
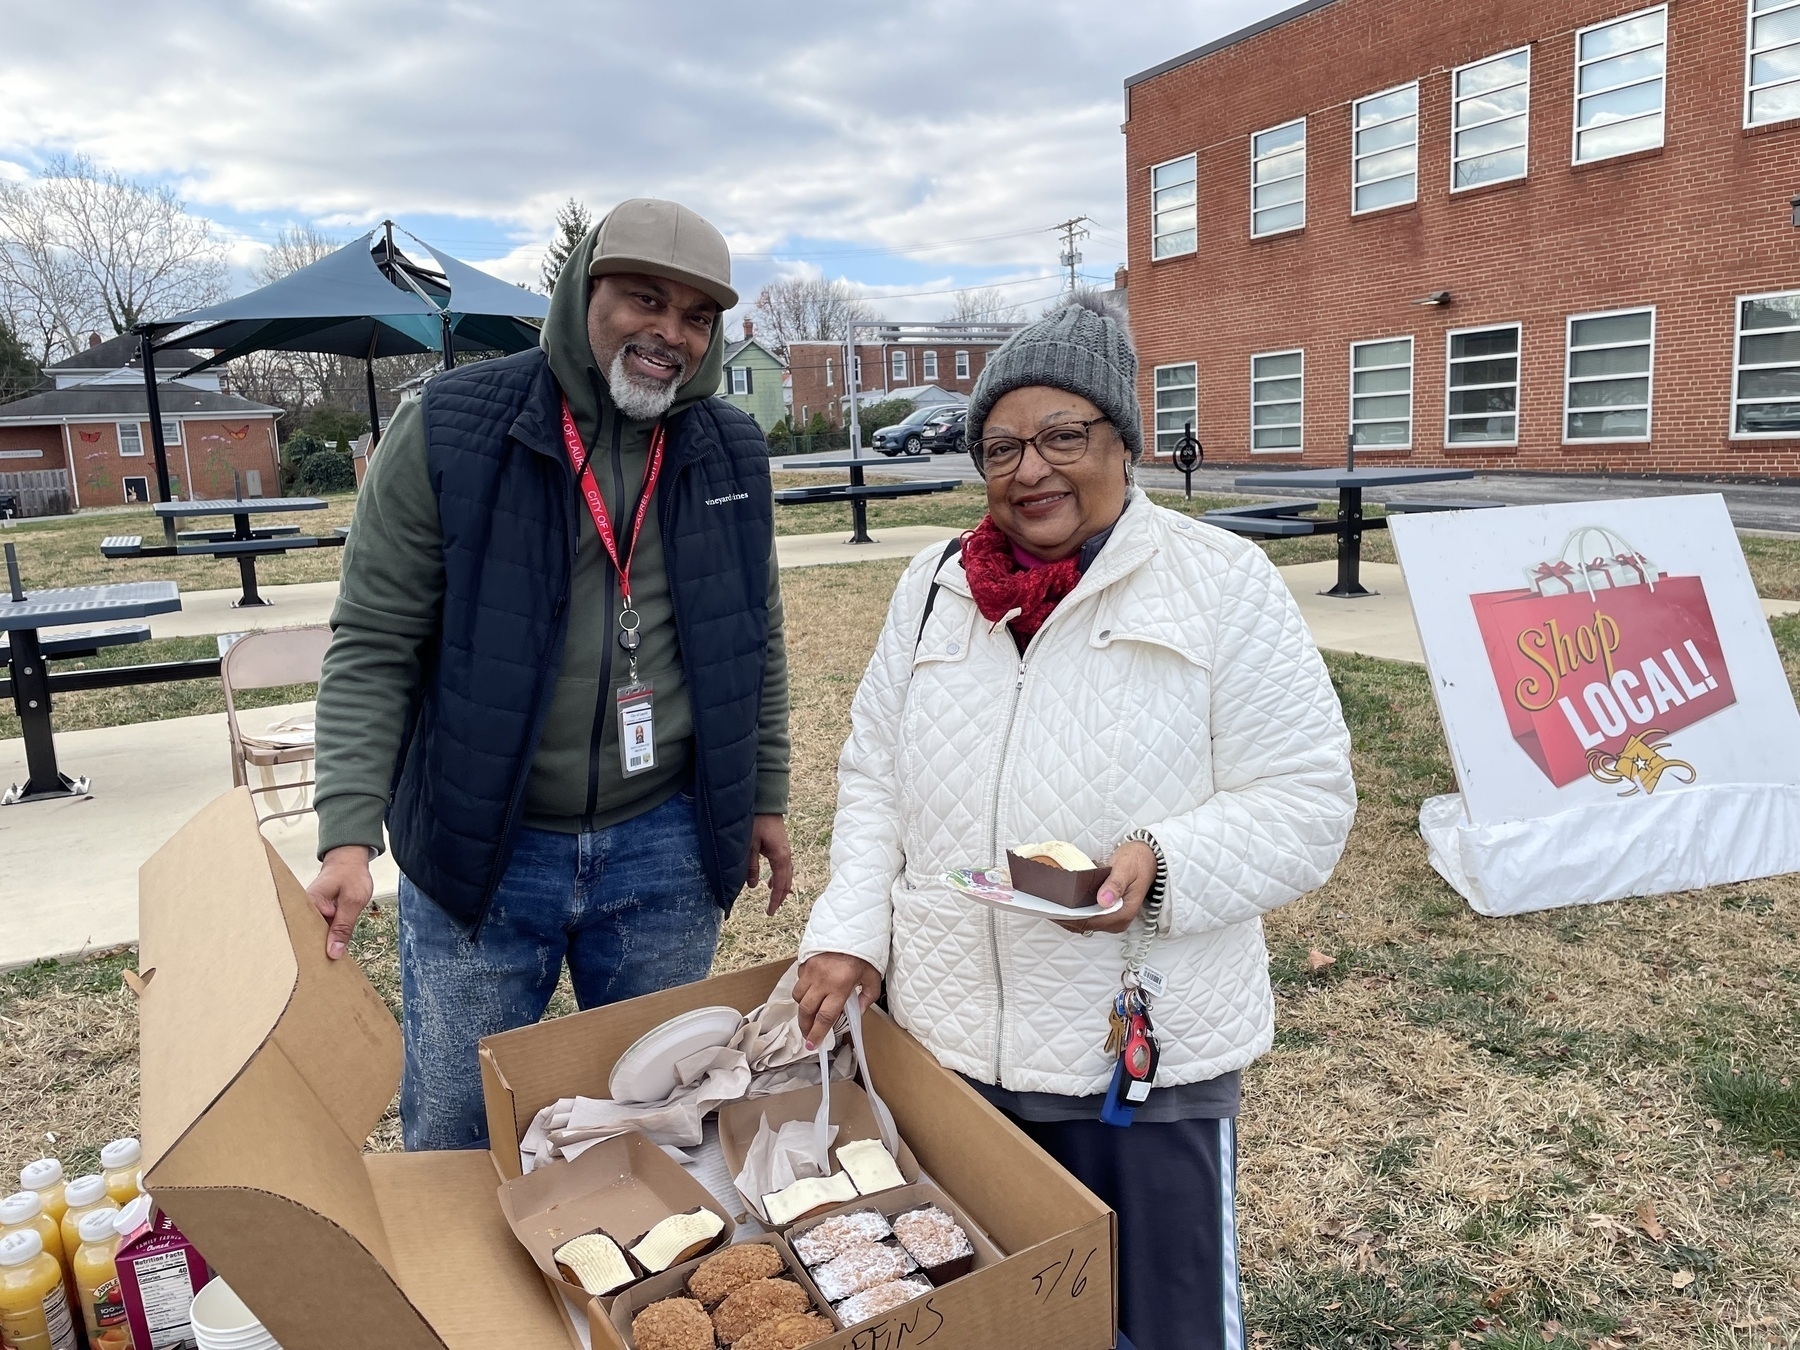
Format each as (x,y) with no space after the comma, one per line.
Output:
(18,372)
(572,221)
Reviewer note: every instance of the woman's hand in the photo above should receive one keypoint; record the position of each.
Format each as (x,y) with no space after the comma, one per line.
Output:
(825,985)
(1133,874)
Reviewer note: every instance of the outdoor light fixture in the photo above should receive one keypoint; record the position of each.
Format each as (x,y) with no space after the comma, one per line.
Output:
(1443,297)
(1794,207)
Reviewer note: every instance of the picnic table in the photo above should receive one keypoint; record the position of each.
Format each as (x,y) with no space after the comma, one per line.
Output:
(857,492)
(240,542)
(1284,519)
(23,617)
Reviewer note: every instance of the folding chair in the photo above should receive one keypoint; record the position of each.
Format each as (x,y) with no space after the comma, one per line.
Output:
(268,660)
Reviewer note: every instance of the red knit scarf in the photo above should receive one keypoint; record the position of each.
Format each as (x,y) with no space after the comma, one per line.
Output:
(1000,585)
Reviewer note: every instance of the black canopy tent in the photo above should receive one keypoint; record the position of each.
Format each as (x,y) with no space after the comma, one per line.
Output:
(368,299)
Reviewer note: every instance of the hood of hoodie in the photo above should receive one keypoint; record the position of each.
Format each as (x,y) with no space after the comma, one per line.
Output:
(565,340)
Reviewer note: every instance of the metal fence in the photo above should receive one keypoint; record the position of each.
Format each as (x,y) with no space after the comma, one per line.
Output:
(41,492)
(808,444)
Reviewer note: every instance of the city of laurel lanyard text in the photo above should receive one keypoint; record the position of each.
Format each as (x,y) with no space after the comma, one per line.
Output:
(579,461)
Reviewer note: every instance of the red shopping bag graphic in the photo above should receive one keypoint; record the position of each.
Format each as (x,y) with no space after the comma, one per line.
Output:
(1585,674)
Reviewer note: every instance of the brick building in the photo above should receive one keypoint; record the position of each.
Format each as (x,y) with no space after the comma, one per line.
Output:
(1546,235)
(904,356)
(91,426)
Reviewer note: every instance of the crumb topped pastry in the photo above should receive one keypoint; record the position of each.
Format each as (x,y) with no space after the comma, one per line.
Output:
(787,1333)
(820,1243)
(758,1302)
(882,1298)
(861,1267)
(723,1274)
(673,1324)
(936,1241)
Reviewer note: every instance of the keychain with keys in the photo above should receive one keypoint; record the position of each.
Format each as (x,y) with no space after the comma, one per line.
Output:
(1132,1038)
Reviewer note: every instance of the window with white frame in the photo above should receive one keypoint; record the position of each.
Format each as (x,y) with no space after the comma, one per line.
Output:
(131,438)
(1608,387)
(1766,380)
(1278,179)
(1772,75)
(1276,397)
(1172,216)
(1177,404)
(1385,156)
(1619,68)
(1481,398)
(1491,106)
(828,372)
(899,362)
(962,365)
(740,380)
(1381,393)
(171,433)
(927,365)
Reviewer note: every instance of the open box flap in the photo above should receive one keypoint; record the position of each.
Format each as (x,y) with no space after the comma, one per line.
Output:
(265,1066)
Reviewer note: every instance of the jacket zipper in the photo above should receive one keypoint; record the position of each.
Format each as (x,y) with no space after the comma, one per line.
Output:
(606,648)
(1012,709)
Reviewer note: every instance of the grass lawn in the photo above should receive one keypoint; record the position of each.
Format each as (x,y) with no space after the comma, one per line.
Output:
(1574,1129)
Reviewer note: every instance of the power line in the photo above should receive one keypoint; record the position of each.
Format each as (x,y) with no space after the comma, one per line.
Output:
(1072,234)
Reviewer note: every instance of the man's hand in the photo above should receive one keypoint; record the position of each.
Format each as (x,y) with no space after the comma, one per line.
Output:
(825,985)
(1133,874)
(341,892)
(769,839)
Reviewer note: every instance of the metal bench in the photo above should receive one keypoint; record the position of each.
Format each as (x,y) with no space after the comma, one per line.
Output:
(79,642)
(850,492)
(1422,506)
(1276,520)
(122,546)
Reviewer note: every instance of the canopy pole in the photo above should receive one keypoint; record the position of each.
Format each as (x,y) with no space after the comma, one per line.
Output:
(449,344)
(153,407)
(374,408)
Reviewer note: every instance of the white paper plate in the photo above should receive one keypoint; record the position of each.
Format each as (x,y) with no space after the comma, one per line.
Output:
(991,892)
(646,1072)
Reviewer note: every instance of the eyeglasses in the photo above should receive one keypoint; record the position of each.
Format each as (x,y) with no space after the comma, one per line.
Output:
(1063,443)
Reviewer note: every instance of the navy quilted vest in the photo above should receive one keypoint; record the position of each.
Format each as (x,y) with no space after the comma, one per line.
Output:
(507,503)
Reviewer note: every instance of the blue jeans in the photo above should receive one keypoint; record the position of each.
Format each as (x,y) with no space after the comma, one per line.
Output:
(628,908)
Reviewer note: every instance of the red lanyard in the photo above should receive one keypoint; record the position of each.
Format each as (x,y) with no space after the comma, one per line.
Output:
(597,504)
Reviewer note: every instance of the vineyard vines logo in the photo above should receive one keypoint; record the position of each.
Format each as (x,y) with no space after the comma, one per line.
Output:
(728,497)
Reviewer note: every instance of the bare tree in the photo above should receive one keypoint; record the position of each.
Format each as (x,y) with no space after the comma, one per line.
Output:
(985,304)
(83,247)
(808,309)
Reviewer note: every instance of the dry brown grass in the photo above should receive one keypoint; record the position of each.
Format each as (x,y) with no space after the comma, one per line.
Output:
(1570,1129)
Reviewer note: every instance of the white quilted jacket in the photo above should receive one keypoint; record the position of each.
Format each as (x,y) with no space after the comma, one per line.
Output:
(1174,689)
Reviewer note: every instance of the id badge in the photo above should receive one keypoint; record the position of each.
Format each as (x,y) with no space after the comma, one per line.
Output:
(637,728)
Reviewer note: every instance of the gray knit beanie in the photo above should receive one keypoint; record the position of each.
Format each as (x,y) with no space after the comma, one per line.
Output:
(1082,348)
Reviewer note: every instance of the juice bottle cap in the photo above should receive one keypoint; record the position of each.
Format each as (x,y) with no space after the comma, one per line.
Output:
(40,1175)
(121,1153)
(97,1225)
(21,1248)
(84,1191)
(20,1208)
(134,1216)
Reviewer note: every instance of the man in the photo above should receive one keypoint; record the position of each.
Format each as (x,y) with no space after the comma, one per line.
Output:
(568,696)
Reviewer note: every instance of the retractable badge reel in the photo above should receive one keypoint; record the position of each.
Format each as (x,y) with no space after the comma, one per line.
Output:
(637,704)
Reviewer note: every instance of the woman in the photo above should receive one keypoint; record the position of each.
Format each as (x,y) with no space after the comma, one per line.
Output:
(1092,668)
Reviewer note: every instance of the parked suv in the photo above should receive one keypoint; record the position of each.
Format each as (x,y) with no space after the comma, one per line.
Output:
(908,434)
(944,433)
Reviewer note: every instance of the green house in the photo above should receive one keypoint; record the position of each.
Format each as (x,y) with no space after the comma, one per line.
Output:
(753,379)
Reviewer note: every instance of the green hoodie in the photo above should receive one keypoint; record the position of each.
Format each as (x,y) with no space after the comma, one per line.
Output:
(393,586)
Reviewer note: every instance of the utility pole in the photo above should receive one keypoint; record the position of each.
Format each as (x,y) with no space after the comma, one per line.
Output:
(1072,233)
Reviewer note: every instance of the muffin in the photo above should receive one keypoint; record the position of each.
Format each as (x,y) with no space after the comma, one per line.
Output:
(787,1333)
(673,1324)
(758,1302)
(720,1276)
(819,1244)
(936,1241)
(861,1267)
(882,1298)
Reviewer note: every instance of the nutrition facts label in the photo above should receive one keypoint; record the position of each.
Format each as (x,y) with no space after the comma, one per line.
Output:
(58,1321)
(168,1291)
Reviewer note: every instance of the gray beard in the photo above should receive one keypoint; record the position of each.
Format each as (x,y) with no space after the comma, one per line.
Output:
(639,399)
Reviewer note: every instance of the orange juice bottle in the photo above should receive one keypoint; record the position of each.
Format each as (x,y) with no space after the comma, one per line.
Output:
(83,1194)
(26,1210)
(34,1312)
(97,1280)
(45,1176)
(119,1163)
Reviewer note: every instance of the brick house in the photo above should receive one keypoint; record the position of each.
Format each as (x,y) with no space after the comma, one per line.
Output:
(90,425)
(903,357)
(1511,234)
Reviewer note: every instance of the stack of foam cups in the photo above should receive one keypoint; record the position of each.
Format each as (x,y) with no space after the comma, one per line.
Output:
(222,1322)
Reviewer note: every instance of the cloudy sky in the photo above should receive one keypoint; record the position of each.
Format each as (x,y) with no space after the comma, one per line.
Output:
(911,147)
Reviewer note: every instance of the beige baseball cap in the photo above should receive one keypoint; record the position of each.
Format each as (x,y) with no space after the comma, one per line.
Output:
(664,239)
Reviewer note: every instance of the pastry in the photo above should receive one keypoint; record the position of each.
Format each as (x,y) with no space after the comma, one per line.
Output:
(861,1267)
(595,1262)
(730,1270)
(870,1166)
(673,1324)
(936,1241)
(1056,853)
(787,1333)
(678,1238)
(758,1302)
(807,1195)
(829,1237)
(883,1297)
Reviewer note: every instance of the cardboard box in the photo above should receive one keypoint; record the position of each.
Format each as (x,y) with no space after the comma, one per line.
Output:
(1058,885)
(265,1067)
(622,1187)
(1055,1289)
(672,1283)
(850,1112)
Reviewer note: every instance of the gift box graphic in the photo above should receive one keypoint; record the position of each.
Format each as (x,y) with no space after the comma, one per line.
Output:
(1600,646)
